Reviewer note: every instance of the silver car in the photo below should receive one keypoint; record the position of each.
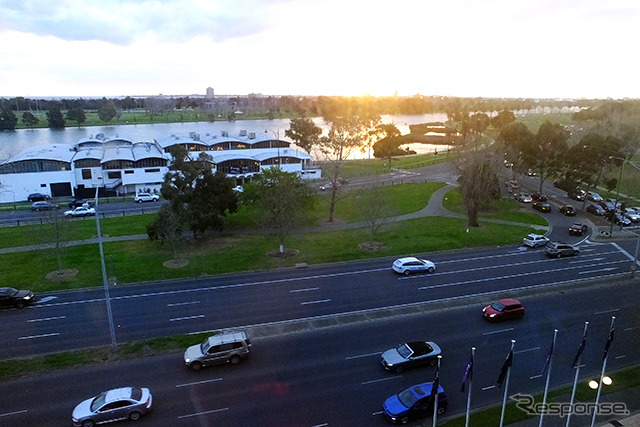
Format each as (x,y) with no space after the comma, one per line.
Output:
(410,354)
(146,197)
(113,405)
(227,347)
(411,265)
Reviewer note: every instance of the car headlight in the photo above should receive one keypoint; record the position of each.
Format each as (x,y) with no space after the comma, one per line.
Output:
(492,315)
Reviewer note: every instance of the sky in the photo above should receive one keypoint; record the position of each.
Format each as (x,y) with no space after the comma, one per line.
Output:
(465,48)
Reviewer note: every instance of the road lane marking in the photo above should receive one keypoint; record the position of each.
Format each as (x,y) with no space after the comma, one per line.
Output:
(176,319)
(362,355)
(30,337)
(613,310)
(45,319)
(630,329)
(213,411)
(488,387)
(498,331)
(377,413)
(304,290)
(44,300)
(535,377)
(322,301)
(597,271)
(381,379)
(177,304)
(199,382)
(6,414)
(621,357)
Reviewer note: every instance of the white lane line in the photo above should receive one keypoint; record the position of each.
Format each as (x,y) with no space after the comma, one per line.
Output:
(177,304)
(621,357)
(316,302)
(598,270)
(526,350)
(535,377)
(630,329)
(498,331)
(304,290)
(213,411)
(199,382)
(381,379)
(377,413)
(613,310)
(6,414)
(323,424)
(39,336)
(488,387)
(177,319)
(45,319)
(45,300)
(362,355)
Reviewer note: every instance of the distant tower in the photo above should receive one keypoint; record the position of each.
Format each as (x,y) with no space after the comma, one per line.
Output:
(209,94)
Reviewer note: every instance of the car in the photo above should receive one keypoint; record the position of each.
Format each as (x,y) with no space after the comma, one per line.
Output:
(534,240)
(43,206)
(504,309)
(576,194)
(113,405)
(568,210)
(596,209)
(577,229)
(238,189)
(512,186)
(11,297)
(37,197)
(410,265)
(227,347)
(414,402)
(609,205)
(619,219)
(76,203)
(541,206)
(330,186)
(531,173)
(558,249)
(631,214)
(594,197)
(524,198)
(146,197)
(81,211)
(539,197)
(410,354)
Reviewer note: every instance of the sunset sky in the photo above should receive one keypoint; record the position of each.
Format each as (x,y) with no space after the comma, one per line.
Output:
(469,48)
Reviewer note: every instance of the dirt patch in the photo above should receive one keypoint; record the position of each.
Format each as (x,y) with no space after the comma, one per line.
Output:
(287,253)
(176,263)
(371,246)
(60,275)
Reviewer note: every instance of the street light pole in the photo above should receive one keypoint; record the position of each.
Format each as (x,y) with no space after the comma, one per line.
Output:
(105,282)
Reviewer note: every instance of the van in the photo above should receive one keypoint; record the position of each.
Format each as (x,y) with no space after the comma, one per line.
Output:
(227,347)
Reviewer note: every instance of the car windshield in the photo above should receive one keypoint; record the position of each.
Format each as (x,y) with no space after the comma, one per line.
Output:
(204,347)
(407,398)
(98,401)
(404,351)
(497,306)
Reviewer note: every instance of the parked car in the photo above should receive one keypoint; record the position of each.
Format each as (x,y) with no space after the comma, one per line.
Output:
(534,240)
(610,205)
(539,197)
(227,347)
(113,405)
(37,197)
(410,265)
(76,203)
(512,186)
(410,354)
(414,402)
(567,210)
(146,197)
(619,219)
(81,211)
(596,209)
(631,214)
(524,198)
(557,249)
(577,229)
(594,197)
(576,194)
(11,297)
(43,206)
(504,309)
(542,206)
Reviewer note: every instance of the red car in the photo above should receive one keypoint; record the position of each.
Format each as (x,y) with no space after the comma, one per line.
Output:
(504,309)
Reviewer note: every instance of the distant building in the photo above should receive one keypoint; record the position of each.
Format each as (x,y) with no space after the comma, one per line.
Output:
(209,94)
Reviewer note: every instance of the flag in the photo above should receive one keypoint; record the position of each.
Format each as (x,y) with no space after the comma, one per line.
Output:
(505,368)
(580,349)
(436,384)
(609,341)
(548,361)
(468,374)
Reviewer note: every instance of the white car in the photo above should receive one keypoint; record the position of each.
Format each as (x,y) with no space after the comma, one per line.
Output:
(631,214)
(113,405)
(146,197)
(80,211)
(411,265)
(534,240)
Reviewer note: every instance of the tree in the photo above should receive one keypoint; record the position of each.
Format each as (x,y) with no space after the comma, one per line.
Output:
(515,137)
(281,199)
(29,119)
(502,119)
(56,229)
(375,207)
(167,228)
(8,119)
(587,159)
(77,115)
(55,118)
(304,133)
(546,155)
(107,111)
(478,185)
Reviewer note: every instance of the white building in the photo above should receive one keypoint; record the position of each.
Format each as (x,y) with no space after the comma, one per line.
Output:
(120,166)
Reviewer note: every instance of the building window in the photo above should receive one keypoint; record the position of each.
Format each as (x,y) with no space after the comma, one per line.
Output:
(113,175)
(152,170)
(86,173)
(128,172)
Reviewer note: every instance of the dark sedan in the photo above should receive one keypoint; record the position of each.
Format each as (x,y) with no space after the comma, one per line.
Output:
(596,210)
(567,210)
(414,402)
(410,354)
(37,197)
(578,229)
(11,297)
(542,207)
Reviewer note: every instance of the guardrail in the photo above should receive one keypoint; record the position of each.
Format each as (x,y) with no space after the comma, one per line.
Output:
(42,219)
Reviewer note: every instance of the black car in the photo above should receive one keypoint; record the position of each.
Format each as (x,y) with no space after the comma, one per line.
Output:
(414,402)
(43,206)
(11,297)
(542,206)
(567,210)
(76,203)
(539,197)
(576,194)
(37,197)
(557,249)
(596,210)
(578,229)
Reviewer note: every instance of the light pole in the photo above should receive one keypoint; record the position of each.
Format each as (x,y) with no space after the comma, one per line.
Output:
(105,282)
(615,204)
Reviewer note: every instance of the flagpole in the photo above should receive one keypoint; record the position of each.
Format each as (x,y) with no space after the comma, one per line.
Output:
(436,384)
(604,366)
(546,385)
(466,423)
(506,386)
(575,379)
